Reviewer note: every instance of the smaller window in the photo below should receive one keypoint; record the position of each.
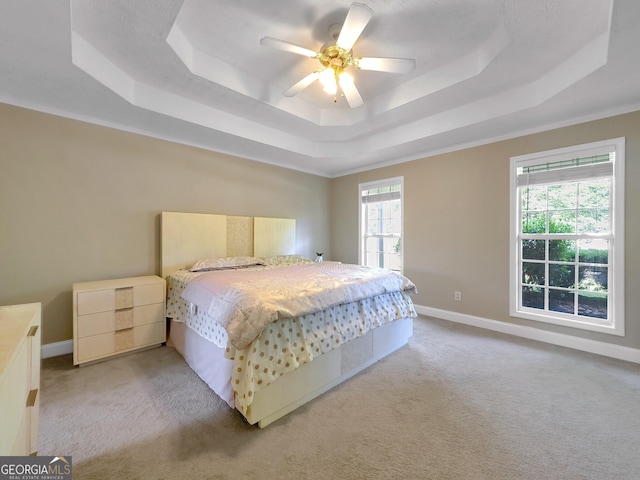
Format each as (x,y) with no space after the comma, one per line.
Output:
(381,224)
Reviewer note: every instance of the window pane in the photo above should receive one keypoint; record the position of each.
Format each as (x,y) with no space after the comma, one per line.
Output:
(593,220)
(385,215)
(593,279)
(390,217)
(533,249)
(533,297)
(592,305)
(534,198)
(562,221)
(393,263)
(374,244)
(593,251)
(391,245)
(594,193)
(373,259)
(372,219)
(562,275)
(533,273)
(534,222)
(561,301)
(562,250)
(563,196)
(395,223)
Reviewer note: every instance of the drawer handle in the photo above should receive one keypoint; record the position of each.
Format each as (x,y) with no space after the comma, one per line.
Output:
(31,399)
(124,297)
(32,331)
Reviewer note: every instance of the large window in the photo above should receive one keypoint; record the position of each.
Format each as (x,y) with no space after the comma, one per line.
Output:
(567,224)
(381,223)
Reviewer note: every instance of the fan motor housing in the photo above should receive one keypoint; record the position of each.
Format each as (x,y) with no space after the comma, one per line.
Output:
(335,57)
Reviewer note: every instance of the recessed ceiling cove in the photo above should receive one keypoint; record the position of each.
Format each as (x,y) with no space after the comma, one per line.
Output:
(481,70)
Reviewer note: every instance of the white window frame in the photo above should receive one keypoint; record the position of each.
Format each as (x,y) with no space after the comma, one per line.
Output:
(361,220)
(616,287)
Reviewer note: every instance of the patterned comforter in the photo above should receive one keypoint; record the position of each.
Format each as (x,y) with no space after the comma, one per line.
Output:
(308,322)
(246,301)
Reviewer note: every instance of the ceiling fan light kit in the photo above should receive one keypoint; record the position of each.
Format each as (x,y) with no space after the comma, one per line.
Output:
(335,58)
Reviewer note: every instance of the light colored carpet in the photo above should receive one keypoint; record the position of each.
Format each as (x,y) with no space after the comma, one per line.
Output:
(456,403)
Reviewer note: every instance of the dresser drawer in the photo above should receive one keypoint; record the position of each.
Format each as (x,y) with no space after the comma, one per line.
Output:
(119,298)
(149,334)
(22,443)
(104,322)
(95,346)
(146,314)
(97,301)
(147,294)
(98,346)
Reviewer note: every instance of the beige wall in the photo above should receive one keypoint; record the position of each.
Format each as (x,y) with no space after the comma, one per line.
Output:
(457,222)
(80,202)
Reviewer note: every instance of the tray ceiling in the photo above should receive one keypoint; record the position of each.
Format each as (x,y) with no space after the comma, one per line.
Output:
(194,72)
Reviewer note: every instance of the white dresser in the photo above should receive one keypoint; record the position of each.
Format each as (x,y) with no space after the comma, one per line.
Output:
(19,378)
(117,316)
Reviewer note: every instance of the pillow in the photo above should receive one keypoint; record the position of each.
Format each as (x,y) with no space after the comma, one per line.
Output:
(224,263)
(285,260)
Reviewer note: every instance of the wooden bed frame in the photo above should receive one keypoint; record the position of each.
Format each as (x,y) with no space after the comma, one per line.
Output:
(188,237)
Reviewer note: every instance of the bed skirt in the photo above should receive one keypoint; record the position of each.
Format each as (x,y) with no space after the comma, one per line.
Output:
(204,358)
(295,388)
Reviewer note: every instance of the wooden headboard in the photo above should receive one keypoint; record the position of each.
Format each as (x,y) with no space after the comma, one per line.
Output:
(188,237)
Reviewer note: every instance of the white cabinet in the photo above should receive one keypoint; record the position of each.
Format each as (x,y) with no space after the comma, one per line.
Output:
(19,378)
(117,316)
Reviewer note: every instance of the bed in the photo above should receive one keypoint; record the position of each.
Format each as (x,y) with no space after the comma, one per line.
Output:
(266,365)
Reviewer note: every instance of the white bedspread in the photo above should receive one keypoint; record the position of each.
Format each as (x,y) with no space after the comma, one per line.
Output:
(244,302)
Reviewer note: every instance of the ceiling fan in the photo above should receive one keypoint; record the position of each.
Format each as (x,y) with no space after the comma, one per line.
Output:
(336,57)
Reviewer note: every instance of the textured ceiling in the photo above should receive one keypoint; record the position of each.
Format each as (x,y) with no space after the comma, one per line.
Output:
(193,71)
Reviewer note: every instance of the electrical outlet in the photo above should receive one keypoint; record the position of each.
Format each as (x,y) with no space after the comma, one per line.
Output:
(457,296)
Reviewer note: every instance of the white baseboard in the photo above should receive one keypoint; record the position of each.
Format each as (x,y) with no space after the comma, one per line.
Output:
(561,339)
(56,349)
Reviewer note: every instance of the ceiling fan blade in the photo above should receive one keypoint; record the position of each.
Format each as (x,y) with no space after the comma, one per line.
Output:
(350,91)
(391,65)
(301,85)
(357,19)
(287,47)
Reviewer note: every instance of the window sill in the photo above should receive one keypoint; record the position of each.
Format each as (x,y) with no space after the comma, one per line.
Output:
(566,322)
